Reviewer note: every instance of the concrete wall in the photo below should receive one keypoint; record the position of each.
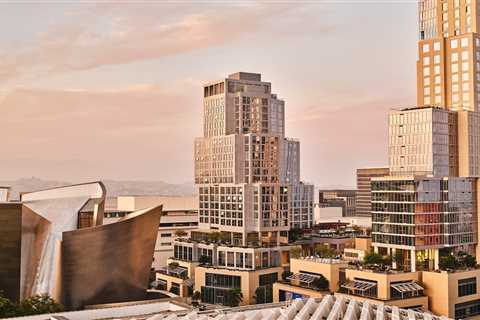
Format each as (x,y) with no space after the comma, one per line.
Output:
(364,244)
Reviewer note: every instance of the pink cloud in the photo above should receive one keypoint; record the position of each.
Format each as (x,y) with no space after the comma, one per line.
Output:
(136,33)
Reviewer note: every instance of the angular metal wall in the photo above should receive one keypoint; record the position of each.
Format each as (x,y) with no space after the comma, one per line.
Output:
(109,263)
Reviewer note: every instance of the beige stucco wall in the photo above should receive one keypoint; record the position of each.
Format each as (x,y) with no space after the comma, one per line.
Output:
(364,244)
(249,279)
(190,266)
(442,290)
(171,279)
(383,279)
(331,271)
(287,287)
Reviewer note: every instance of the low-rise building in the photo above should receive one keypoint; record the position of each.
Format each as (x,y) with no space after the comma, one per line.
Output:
(217,285)
(220,268)
(453,294)
(343,198)
(400,289)
(311,277)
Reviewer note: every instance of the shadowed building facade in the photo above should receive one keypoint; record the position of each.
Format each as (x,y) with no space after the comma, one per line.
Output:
(43,250)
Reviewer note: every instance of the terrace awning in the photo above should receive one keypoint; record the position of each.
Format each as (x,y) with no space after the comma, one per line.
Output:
(407,287)
(303,277)
(359,285)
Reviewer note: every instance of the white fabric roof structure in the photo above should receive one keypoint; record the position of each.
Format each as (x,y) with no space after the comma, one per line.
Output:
(329,307)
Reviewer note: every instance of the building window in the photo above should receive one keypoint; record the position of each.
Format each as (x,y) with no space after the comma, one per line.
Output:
(467,287)
(467,309)
(267,279)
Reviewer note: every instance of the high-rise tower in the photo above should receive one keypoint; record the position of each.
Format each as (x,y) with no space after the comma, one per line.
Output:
(448,69)
(250,194)
(247,171)
(427,206)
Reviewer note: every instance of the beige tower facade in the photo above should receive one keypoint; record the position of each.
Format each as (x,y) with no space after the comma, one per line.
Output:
(247,171)
(448,69)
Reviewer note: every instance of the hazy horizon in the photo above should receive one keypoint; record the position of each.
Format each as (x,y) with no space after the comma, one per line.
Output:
(114,91)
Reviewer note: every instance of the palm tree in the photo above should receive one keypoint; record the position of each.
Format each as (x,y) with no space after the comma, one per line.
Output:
(235,297)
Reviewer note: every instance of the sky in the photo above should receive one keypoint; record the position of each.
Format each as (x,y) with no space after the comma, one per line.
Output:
(113,90)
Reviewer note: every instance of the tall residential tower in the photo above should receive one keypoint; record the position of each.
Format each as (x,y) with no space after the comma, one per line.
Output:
(250,193)
(448,69)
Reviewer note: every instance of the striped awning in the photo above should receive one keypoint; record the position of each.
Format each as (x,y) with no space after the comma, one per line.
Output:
(407,287)
(303,277)
(359,285)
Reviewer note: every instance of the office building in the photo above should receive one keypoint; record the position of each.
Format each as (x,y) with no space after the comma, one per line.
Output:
(420,215)
(43,249)
(364,193)
(434,141)
(346,199)
(303,281)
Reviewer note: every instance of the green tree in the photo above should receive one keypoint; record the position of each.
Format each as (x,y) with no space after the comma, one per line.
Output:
(469,261)
(398,257)
(373,258)
(234,298)
(180,233)
(38,304)
(225,237)
(296,253)
(448,262)
(7,307)
(264,294)
(324,251)
(214,236)
(204,259)
(196,295)
(321,283)
(173,265)
(295,234)
(387,260)
(286,274)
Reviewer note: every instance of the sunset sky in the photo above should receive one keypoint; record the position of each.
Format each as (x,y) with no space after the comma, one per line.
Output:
(97,90)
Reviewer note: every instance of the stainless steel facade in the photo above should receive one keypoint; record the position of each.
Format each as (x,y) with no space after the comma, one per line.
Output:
(42,251)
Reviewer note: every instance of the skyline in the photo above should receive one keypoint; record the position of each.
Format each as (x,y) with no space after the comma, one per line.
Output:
(114,128)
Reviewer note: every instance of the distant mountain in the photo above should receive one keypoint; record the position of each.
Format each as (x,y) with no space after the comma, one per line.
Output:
(114,188)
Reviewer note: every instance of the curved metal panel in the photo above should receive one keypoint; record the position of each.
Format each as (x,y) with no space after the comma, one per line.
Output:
(109,263)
